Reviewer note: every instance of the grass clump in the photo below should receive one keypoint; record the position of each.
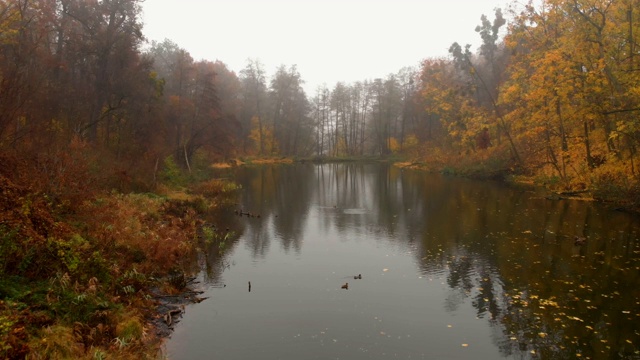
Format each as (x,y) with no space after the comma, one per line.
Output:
(130,328)
(56,342)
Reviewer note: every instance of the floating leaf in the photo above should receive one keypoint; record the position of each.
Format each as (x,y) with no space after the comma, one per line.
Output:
(548,303)
(465,345)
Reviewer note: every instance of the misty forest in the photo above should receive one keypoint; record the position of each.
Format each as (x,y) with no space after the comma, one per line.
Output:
(111,148)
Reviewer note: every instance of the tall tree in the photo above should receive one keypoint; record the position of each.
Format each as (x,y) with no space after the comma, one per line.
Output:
(109,29)
(290,109)
(321,110)
(254,95)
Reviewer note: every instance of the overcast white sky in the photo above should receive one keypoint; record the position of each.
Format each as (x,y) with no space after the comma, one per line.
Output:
(328,40)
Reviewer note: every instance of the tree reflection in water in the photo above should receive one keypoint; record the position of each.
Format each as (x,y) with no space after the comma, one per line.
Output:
(507,251)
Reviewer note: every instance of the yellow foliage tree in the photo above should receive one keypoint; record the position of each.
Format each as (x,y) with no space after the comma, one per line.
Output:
(563,91)
(261,136)
(394,145)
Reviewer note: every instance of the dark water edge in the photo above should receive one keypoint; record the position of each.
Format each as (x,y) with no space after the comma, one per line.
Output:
(452,268)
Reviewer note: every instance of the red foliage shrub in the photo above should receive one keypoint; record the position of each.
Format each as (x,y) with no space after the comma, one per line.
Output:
(27,223)
(138,229)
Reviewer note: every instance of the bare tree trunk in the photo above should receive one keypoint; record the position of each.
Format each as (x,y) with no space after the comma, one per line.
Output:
(155,172)
(186,158)
(587,146)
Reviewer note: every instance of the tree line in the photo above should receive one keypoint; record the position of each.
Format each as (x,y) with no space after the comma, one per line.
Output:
(552,94)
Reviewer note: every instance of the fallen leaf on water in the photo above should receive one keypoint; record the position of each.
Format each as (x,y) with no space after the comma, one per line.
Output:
(385,270)
(465,345)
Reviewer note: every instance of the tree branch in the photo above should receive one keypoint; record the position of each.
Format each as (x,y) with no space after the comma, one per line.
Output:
(620,111)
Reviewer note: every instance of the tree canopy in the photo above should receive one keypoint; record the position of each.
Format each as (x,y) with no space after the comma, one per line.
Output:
(551,93)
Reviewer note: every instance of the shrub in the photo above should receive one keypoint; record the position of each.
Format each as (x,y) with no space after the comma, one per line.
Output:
(610,183)
(56,342)
(171,174)
(150,232)
(8,248)
(11,343)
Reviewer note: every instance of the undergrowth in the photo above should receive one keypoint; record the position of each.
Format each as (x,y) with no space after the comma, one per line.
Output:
(76,271)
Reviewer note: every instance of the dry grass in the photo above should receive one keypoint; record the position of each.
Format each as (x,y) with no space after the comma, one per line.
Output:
(221,166)
(142,230)
(253,161)
(56,342)
(274,160)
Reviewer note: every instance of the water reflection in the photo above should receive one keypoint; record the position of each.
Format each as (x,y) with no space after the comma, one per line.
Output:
(457,269)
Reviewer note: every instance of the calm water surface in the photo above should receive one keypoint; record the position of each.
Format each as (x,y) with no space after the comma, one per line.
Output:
(451,269)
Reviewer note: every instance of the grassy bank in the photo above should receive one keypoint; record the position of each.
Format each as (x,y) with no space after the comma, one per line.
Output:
(79,270)
(604,184)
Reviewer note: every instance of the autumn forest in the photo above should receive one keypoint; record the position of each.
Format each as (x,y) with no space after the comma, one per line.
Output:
(553,94)
(92,115)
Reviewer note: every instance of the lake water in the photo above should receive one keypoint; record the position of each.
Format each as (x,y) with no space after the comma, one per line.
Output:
(451,269)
